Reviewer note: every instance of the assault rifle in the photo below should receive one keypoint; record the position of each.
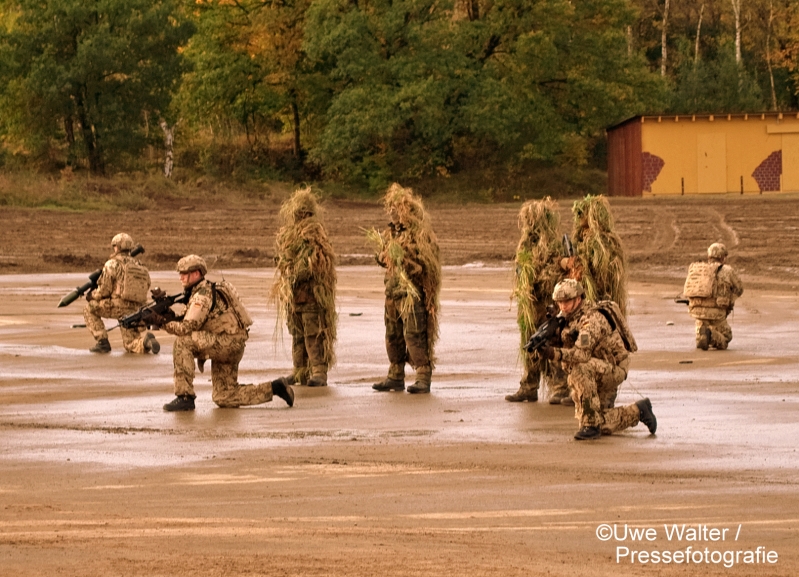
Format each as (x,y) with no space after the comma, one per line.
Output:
(548,331)
(160,306)
(92,284)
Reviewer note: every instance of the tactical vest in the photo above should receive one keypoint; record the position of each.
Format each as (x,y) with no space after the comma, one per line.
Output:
(227,314)
(618,322)
(134,282)
(701,281)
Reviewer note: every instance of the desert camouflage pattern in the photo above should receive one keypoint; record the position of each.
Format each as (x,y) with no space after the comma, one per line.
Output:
(712,311)
(95,311)
(106,303)
(211,331)
(596,361)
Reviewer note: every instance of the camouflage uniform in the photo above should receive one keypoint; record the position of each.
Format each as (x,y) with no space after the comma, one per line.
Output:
(596,360)
(406,339)
(106,303)
(711,313)
(535,367)
(305,287)
(211,330)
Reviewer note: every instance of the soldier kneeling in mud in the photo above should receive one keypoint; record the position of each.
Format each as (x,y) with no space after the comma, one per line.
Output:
(595,348)
(215,326)
(711,289)
(121,290)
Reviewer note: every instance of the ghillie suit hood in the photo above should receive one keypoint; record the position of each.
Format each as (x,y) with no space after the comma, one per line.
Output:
(601,261)
(303,254)
(537,262)
(409,251)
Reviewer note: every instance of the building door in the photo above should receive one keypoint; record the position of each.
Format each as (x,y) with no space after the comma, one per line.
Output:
(790,162)
(711,156)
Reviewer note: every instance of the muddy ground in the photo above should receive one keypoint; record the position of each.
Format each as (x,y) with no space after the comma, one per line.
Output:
(96,480)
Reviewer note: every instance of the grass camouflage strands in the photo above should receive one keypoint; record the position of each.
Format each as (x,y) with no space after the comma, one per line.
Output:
(600,251)
(305,255)
(537,262)
(411,257)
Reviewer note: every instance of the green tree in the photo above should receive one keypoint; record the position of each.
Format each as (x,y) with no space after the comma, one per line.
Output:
(91,73)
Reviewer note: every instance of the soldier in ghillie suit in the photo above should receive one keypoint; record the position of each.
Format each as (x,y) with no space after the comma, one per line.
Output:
(711,289)
(214,327)
(305,288)
(538,270)
(600,263)
(121,290)
(594,349)
(408,250)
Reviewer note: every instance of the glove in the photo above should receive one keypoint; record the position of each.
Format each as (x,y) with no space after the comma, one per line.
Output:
(89,295)
(156,320)
(547,352)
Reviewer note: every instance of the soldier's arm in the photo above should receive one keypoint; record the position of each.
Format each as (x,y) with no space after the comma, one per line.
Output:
(592,330)
(197,310)
(105,284)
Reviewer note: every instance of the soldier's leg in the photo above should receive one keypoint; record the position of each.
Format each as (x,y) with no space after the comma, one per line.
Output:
(557,384)
(395,348)
(225,357)
(720,334)
(583,381)
(315,346)
(620,418)
(702,334)
(609,385)
(418,350)
(133,339)
(183,352)
(528,386)
(92,314)
(299,356)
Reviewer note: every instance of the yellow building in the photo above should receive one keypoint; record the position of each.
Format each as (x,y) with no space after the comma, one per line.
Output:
(743,153)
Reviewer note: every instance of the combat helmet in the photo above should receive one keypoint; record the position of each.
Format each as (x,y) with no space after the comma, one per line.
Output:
(122,241)
(191,263)
(717,251)
(567,290)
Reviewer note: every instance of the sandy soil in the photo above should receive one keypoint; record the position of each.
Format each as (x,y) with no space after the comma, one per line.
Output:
(96,480)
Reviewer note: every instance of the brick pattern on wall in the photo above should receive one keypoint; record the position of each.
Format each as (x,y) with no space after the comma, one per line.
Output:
(652,165)
(767,174)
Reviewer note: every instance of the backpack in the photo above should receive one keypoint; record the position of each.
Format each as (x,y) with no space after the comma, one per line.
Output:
(617,321)
(701,281)
(135,281)
(231,297)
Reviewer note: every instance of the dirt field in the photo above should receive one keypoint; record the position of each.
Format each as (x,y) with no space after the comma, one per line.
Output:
(96,480)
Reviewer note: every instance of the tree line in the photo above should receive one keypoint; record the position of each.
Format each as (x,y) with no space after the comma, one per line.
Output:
(369,91)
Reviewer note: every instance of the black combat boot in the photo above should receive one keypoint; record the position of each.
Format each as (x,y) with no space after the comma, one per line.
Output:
(150,344)
(647,416)
(102,346)
(588,434)
(281,388)
(180,403)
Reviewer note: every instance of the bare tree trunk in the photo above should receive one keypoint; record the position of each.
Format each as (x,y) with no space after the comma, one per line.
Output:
(295,114)
(736,8)
(663,39)
(768,54)
(90,136)
(698,32)
(629,40)
(169,138)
